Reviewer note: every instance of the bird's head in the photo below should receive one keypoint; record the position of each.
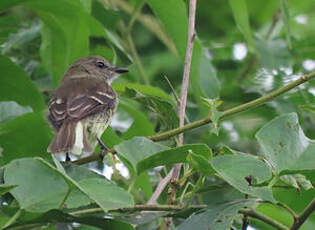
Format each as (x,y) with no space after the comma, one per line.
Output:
(95,67)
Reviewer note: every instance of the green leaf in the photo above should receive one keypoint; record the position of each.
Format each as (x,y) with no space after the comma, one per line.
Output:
(234,169)
(214,113)
(57,216)
(140,126)
(174,155)
(297,181)
(286,20)
(174,18)
(108,17)
(137,149)
(208,82)
(4,5)
(77,197)
(39,188)
(6,188)
(65,33)
(285,146)
(10,110)
(26,136)
(17,86)
(110,138)
(164,109)
(143,183)
(9,24)
(107,195)
(204,81)
(21,37)
(95,187)
(143,89)
(49,186)
(273,54)
(219,217)
(200,163)
(241,17)
(155,99)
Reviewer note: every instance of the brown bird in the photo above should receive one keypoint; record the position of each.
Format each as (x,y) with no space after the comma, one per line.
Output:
(83,105)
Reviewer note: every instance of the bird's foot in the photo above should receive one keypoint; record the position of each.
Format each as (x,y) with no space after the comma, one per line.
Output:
(68,159)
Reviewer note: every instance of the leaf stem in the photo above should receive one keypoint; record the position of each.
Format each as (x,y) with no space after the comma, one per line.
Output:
(290,210)
(13,219)
(273,181)
(303,216)
(257,215)
(65,198)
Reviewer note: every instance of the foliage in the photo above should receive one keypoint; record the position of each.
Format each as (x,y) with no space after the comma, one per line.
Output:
(256,165)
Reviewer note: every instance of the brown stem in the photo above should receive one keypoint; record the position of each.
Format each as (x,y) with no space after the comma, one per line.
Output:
(185,82)
(304,215)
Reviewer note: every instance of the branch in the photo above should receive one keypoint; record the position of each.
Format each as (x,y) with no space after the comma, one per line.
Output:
(263,218)
(185,81)
(138,208)
(235,110)
(304,215)
(160,187)
(178,208)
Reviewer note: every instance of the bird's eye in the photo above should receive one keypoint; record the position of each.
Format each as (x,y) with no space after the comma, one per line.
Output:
(101,65)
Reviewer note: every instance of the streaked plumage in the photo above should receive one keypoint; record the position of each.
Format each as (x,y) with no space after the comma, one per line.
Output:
(82,106)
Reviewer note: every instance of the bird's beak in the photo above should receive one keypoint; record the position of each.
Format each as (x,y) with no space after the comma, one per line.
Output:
(120,70)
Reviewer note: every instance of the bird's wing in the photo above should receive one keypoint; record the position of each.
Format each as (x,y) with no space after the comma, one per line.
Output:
(57,111)
(76,104)
(85,105)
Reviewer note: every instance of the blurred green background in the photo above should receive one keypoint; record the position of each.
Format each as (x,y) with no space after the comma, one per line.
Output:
(243,50)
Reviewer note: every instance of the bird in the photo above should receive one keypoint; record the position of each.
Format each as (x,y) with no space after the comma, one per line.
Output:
(82,106)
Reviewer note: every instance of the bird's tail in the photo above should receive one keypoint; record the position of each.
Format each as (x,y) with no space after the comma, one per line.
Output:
(70,138)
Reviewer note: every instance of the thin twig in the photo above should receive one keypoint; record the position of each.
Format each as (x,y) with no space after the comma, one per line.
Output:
(173,90)
(160,187)
(304,215)
(207,120)
(175,95)
(185,82)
